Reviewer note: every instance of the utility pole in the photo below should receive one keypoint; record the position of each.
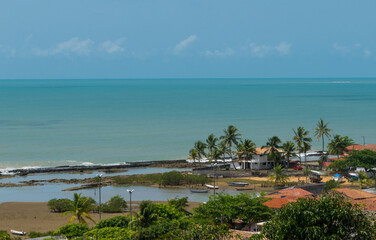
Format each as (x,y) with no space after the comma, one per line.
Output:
(130,207)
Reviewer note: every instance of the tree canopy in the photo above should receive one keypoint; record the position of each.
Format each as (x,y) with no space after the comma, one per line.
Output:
(329,217)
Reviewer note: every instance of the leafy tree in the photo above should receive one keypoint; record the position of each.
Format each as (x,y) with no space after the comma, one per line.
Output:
(339,166)
(172,178)
(4,235)
(322,131)
(225,208)
(179,204)
(331,184)
(278,177)
(338,144)
(365,158)
(207,231)
(273,144)
(72,230)
(364,180)
(115,205)
(329,217)
(110,233)
(80,209)
(288,148)
(118,221)
(40,234)
(301,139)
(231,137)
(59,205)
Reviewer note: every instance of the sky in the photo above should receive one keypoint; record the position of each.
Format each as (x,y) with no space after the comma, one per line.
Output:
(42,39)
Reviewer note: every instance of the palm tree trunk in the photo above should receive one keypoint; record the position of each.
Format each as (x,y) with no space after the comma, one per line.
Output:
(306,166)
(323,149)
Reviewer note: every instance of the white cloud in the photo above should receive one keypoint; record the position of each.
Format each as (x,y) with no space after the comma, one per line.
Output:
(225,53)
(74,45)
(113,46)
(185,43)
(342,49)
(356,49)
(7,51)
(264,50)
(367,53)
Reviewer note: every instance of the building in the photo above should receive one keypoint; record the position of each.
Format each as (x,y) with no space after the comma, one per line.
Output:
(285,196)
(259,161)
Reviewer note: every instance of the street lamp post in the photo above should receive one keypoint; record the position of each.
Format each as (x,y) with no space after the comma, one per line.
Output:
(99,176)
(213,165)
(130,207)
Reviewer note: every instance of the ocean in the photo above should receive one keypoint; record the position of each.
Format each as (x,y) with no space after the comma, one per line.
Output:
(60,122)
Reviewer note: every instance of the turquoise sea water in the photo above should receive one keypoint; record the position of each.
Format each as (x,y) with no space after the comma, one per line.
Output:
(58,122)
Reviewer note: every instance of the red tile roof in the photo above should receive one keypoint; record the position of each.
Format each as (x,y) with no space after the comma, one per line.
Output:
(355,194)
(294,192)
(361,147)
(279,202)
(366,204)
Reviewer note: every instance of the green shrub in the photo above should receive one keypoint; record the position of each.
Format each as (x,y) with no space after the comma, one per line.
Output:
(4,235)
(115,205)
(118,221)
(172,178)
(39,234)
(72,230)
(59,205)
(155,231)
(331,184)
(110,233)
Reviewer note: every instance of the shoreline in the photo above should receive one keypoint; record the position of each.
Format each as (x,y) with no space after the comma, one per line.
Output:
(182,163)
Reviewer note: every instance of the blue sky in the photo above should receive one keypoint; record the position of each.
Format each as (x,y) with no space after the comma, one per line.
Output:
(187,39)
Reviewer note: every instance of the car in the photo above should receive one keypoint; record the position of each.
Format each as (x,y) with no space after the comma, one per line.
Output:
(298,168)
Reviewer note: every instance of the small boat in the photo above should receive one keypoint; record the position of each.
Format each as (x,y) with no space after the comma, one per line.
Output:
(199,191)
(19,233)
(238,184)
(211,186)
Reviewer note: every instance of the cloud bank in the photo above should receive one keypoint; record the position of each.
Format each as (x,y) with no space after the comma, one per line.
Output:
(184,44)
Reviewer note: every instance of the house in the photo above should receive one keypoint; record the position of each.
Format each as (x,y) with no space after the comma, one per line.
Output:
(366,200)
(259,161)
(359,147)
(285,196)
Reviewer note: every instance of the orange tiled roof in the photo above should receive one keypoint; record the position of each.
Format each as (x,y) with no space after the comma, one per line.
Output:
(355,194)
(279,202)
(294,192)
(260,151)
(366,204)
(361,147)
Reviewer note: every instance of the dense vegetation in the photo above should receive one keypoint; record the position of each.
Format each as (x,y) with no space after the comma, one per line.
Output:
(173,178)
(329,217)
(365,158)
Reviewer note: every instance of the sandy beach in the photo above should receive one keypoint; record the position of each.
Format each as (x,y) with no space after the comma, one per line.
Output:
(35,216)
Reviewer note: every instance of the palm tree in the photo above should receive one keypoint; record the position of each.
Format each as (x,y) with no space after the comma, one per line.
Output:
(306,148)
(288,148)
(215,155)
(231,137)
(322,131)
(278,176)
(272,146)
(339,144)
(200,150)
(245,149)
(300,139)
(193,155)
(211,142)
(147,214)
(80,208)
(224,149)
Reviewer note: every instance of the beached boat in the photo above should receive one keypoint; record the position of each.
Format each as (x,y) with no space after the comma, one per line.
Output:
(199,191)
(19,233)
(211,186)
(238,184)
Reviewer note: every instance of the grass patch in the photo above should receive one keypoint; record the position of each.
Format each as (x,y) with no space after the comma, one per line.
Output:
(173,178)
